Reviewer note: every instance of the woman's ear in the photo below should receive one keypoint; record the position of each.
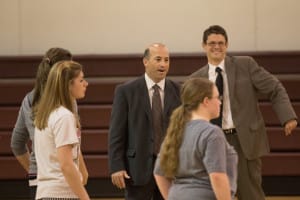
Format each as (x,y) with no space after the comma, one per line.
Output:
(205,100)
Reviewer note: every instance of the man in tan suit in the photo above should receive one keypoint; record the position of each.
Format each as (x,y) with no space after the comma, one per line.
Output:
(241,118)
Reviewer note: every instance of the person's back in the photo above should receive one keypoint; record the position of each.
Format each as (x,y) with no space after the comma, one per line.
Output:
(196,161)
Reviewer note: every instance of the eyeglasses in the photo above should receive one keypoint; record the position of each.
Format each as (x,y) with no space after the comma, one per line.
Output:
(213,44)
(217,97)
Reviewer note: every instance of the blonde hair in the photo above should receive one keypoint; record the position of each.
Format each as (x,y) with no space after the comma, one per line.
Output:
(193,93)
(57,92)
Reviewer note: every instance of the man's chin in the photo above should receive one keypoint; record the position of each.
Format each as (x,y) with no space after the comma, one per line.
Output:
(218,58)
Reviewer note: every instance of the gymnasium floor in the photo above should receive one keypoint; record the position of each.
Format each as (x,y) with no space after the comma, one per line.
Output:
(267,198)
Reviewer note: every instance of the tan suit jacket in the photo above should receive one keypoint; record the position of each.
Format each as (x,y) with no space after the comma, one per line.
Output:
(246,80)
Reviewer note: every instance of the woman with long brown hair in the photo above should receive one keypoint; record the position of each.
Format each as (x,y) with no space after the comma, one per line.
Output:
(195,160)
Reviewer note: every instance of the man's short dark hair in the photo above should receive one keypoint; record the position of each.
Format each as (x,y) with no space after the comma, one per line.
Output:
(214,29)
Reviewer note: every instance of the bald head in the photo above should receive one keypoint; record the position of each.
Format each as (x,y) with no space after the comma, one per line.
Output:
(148,50)
(156,61)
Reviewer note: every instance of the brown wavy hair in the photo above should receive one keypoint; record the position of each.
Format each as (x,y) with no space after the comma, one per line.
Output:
(193,92)
(52,56)
(57,92)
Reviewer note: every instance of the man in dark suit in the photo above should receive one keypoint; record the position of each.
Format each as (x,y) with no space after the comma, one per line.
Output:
(241,118)
(133,143)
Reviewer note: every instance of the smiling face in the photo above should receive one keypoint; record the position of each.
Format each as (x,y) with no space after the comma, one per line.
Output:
(157,63)
(78,86)
(215,48)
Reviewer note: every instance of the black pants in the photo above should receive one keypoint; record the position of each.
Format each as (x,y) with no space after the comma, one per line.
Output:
(32,192)
(149,191)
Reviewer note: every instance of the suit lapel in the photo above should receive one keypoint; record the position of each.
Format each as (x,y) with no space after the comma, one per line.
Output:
(168,99)
(144,97)
(204,73)
(230,72)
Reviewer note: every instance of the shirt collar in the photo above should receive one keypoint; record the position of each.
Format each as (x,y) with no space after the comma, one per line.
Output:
(150,83)
(212,68)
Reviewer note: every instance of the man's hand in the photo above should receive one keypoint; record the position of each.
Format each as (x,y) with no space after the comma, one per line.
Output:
(118,180)
(290,126)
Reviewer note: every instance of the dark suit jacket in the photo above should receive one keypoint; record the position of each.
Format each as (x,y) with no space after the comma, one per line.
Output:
(131,134)
(245,81)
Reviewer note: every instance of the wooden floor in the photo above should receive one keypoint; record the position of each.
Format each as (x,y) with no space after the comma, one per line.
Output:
(283,198)
(267,198)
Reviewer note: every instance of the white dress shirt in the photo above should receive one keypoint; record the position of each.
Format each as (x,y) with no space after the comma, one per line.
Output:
(227,122)
(150,83)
